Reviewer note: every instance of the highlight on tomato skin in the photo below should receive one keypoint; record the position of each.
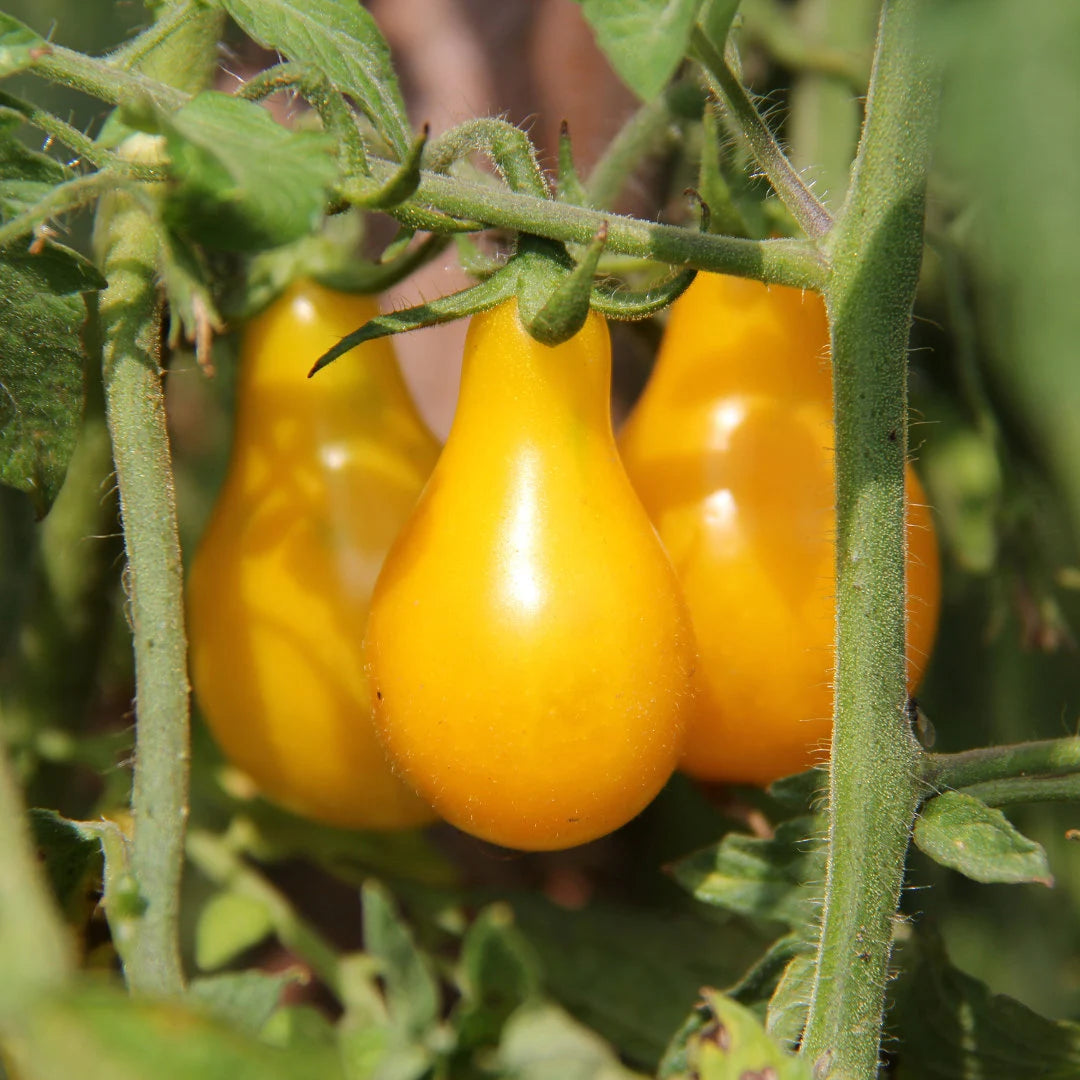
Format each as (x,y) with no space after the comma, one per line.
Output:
(731,451)
(529,643)
(322,474)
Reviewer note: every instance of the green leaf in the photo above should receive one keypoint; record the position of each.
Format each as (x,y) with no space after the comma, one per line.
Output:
(229,924)
(41,317)
(71,857)
(788,1007)
(241,181)
(633,973)
(340,39)
(298,1026)
(412,991)
(952,1027)
(98,1033)
(724,1040)
(758,985)
(499,973)
(244,1000)
(644,39)
(766,879)
(541,1042)
(18,44)
(801,791)
(41,367)
(965,834)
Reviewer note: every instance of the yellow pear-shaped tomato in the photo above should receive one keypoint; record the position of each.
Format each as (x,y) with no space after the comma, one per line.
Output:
(531,653)
(323,473)
(731,451)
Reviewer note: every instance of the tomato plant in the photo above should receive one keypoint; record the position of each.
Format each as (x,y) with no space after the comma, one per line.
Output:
(881,282)
(322,475)
(730,449)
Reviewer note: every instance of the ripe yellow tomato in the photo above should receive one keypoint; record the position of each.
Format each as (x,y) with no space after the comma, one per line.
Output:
(323,473)
(731,451)
(530,649)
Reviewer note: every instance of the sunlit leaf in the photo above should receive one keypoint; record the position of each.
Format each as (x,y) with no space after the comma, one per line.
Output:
(724,1040)
(340,39)
(644,39)
(229,924)
(241,181)
(965,834)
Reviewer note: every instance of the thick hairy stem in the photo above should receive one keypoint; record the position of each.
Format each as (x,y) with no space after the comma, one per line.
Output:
(875,786)
(127,241)
(135,408)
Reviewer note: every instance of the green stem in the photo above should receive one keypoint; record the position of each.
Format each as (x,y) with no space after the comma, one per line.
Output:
(779,262)
(173,18)
(1045,757)
(62,199)
(221,864)
(103,80)
(85,147)
(812,217)
(35,947)
(126,236)
(1027,789)
(874,789)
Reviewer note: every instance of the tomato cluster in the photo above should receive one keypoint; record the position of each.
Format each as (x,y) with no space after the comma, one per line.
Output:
(535,664)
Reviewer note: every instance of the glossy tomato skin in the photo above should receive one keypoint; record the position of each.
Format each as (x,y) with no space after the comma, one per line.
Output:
(731,451)
(323,473)
(528,641)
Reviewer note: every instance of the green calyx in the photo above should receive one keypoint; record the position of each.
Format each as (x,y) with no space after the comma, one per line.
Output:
(554,293)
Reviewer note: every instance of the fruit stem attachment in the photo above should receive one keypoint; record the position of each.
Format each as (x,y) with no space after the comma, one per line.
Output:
(874,786)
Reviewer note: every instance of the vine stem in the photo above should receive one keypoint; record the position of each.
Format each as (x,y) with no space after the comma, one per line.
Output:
(1047,757)
(875,785)
(135,407)
(126,238)
(812,217)
(777,262)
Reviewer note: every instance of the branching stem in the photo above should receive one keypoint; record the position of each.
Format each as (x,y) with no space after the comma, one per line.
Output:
(875,786)
(812,217)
